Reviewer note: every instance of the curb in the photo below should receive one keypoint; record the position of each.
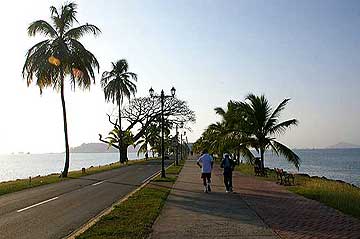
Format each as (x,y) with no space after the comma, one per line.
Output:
(94,220)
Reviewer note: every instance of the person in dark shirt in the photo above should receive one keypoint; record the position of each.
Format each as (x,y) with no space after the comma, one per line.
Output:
(228,165)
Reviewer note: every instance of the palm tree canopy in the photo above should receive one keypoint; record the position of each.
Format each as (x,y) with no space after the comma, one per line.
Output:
(117,82)
(61,53)
(249,124)
(263,122)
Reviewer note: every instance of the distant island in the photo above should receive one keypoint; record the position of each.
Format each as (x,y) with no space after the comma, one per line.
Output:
(98,148)
(344,145)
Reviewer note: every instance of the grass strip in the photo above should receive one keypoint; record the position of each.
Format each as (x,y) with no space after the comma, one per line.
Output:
(21,184)
(338,195)
(134,217)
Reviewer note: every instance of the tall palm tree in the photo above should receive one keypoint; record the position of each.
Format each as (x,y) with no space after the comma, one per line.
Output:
(61,54)
(117,84)
(227,136)
(259,120)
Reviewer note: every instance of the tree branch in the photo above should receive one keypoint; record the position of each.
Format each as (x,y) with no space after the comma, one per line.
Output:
(107,142)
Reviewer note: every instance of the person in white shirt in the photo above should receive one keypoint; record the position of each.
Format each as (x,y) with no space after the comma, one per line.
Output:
(206,162)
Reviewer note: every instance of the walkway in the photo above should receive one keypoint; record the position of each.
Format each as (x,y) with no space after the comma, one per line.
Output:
(191,213)
(258,209)
(293,216)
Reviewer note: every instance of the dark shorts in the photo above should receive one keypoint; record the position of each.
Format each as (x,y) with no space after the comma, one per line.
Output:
(206,175)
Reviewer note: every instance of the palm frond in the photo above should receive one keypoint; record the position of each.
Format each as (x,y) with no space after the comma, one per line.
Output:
(273,119)
(41,27)
(274,149)
(78,32)
(246,153)
(219,111)
(68,16)
(74,60)
(84,62)
(281,127)
(287,153)
(117,83)
(261,109)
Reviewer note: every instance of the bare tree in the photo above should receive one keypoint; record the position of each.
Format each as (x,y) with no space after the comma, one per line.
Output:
(143,111)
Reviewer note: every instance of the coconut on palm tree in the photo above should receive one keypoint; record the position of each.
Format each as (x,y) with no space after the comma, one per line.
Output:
(118,84)
(59,56)
(261,122)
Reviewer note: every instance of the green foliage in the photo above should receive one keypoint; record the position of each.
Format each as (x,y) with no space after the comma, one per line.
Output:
(341,196)
(132,218)
(174,169)
(166,179)
(71,57)
(113,137)
(248,124)
(261,125)
(248,169)
(60,55)
(152,137)
(117,82)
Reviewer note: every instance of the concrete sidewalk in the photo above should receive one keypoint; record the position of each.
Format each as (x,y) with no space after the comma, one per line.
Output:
(191,213)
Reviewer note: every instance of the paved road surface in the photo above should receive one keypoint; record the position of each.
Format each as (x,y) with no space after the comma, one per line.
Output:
(55,210)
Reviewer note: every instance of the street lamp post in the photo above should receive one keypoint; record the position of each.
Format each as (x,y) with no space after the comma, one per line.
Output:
(177,141)
(182,153)
(181,150)
(162,98)
(177,147)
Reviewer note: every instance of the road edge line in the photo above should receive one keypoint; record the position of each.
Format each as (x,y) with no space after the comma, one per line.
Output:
(92,221)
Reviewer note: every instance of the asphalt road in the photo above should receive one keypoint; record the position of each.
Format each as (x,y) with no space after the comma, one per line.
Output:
(55,210)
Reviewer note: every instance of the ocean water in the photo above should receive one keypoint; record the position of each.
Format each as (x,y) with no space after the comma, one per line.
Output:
(19,166)
(341,164)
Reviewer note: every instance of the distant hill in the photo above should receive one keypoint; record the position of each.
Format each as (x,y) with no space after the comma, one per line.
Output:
(97,148)
(343,145)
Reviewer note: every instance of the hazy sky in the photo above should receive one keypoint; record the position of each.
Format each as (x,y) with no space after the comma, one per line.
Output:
(211,51)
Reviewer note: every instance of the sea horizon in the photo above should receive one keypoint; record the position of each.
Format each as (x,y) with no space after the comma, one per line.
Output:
(336,164)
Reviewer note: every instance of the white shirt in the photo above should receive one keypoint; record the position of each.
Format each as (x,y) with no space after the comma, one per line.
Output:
(206,161)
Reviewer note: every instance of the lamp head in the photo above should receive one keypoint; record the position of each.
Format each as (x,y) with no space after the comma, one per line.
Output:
(173,91)
(151,92)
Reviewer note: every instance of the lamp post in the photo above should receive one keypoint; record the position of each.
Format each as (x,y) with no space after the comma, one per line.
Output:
(177,141)
(182,148)
(177,147)
(162,98)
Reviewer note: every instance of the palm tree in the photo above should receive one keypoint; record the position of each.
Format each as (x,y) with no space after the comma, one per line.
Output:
(258,120)
(117,84)
(226,136)
(60,55)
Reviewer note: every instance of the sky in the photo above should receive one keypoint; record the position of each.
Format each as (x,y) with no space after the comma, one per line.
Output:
(210,51)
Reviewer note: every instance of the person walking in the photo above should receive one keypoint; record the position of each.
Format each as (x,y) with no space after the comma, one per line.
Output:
(206,162)
(228,165)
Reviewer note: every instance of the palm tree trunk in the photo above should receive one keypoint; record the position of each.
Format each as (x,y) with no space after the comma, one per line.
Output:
(67,152)
(120,138)
(262,151)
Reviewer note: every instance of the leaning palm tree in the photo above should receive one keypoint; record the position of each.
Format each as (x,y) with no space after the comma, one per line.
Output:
(117,84)
(60,55)
(258,120)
